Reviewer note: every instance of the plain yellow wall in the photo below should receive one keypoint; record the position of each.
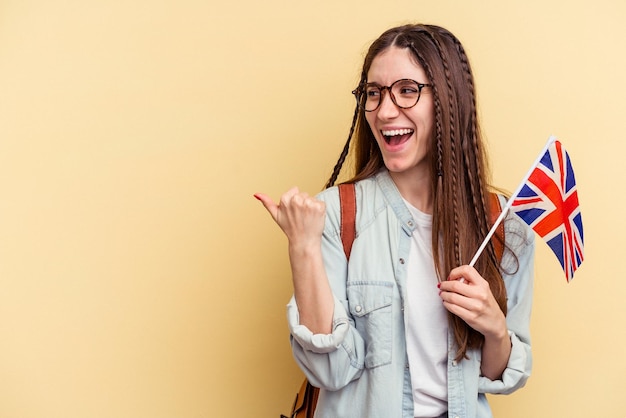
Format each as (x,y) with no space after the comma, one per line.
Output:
(139,277)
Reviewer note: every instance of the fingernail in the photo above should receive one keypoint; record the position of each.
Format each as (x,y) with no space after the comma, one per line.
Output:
(438,285)
(256,197)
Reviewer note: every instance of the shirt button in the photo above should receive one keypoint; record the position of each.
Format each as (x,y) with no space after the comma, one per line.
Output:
(410,223)
(358,308)
(402,261)
(454,365)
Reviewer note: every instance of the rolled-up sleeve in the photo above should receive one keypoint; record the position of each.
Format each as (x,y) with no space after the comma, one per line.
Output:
(318,343)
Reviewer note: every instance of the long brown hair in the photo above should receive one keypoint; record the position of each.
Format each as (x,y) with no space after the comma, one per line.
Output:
(459,168)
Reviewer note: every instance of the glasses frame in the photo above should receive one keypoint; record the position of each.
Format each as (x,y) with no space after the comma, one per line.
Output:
(360,90)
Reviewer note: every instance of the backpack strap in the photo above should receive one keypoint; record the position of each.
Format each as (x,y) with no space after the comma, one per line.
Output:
(306,399)
(347,198)
(495,208)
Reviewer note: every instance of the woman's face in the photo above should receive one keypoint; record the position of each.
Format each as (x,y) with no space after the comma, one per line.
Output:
(403,135)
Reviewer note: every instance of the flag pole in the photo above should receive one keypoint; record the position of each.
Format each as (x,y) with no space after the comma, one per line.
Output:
(509,203)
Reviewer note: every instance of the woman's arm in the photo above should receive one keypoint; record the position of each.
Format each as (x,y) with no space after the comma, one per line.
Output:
(518,275)
(311,289)
(325,342)
(301,218)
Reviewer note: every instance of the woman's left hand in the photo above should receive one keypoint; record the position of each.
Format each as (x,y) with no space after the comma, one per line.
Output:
(467,295)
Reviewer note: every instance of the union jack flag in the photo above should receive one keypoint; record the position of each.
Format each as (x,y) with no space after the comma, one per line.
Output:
(548,202)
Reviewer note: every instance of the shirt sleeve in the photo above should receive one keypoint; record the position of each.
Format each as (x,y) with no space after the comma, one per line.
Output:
(518,275)
(330,361)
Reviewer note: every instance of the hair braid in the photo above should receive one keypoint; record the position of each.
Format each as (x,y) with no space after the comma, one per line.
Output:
(476,192)
(453,144)
(438,113)
(344,153)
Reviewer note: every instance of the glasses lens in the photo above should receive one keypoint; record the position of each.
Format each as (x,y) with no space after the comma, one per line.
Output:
(406,93)
(371,97)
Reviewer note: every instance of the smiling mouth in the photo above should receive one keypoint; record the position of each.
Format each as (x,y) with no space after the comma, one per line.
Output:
(397,136)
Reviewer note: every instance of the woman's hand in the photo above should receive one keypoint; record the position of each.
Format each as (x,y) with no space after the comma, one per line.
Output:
(300,216)
(467,295)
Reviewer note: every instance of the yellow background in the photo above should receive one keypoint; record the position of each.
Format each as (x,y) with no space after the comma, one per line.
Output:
(139,277)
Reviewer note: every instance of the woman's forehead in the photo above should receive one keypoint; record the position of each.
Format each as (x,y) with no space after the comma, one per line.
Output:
(395,63)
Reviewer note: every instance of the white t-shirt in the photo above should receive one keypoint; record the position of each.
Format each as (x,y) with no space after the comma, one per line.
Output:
(426,324)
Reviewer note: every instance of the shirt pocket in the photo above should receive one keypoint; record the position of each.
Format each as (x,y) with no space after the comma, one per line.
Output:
(371,307)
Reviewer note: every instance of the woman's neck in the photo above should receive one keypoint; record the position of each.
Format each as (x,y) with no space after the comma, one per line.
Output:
(415,189)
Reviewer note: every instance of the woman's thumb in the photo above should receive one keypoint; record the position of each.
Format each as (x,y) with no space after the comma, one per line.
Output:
(268,203)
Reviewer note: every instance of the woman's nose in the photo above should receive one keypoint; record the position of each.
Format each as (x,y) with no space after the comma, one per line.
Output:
(388,108)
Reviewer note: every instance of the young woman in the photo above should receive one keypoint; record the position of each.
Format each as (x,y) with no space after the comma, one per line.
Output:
(406,328)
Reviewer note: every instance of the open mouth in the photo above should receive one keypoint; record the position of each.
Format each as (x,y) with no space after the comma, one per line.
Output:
(397,136)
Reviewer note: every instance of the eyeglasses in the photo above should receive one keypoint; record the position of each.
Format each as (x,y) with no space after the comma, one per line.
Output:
(404,93)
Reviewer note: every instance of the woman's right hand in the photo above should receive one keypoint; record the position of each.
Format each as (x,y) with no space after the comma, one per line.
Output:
(300,216)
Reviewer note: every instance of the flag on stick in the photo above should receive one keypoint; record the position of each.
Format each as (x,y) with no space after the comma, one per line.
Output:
(547,200)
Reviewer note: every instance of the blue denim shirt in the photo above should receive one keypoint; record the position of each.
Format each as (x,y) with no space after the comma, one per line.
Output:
(362,367)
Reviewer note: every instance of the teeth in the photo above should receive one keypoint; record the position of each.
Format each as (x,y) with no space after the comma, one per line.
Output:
(397,132)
